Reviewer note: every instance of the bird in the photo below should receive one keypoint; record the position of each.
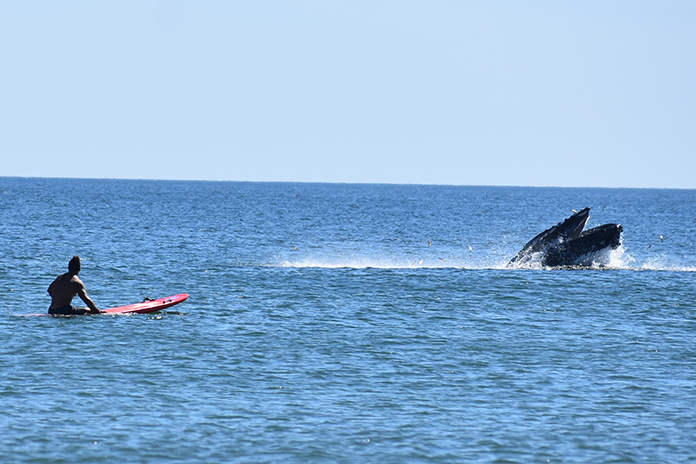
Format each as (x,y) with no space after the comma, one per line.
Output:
(429,242)
(470,249)
(662,239)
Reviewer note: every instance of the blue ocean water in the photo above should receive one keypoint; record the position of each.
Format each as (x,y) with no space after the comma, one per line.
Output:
(344,323)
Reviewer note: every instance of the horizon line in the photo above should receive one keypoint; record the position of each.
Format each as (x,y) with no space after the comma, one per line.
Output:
(342,182)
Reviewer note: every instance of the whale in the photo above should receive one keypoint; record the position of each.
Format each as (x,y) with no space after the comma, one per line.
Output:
(567,244)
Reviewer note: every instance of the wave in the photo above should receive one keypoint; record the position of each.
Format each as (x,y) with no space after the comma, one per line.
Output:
(618,259)
(372,263)
(621,259)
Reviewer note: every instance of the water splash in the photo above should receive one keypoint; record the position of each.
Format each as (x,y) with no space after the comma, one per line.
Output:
(617,259)
(370,262)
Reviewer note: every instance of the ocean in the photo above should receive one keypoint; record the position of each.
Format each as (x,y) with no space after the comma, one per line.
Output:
(344,323)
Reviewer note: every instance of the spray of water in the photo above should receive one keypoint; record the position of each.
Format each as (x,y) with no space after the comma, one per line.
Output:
(617,259)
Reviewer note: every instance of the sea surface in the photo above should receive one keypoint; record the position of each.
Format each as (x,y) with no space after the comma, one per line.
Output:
(344,323)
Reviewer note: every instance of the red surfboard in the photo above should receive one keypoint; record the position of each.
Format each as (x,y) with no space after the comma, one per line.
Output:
(148,306)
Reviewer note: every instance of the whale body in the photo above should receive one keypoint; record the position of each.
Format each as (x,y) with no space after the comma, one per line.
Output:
(567,245)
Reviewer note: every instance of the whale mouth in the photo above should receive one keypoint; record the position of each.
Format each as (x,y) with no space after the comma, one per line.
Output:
(567,244)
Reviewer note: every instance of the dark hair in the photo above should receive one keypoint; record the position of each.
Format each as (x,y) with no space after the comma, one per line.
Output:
(74,265)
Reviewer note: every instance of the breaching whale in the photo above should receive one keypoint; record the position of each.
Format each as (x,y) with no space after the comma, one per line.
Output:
(567,245)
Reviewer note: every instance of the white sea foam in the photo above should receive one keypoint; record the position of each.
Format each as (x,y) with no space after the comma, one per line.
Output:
(371,262)
(618,259)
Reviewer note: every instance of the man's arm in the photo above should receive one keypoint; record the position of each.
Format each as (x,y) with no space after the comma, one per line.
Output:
(82,292)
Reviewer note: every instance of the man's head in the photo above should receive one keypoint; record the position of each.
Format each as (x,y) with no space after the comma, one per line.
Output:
(74,265)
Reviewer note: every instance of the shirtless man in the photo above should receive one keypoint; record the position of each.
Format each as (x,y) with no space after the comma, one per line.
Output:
(64,289)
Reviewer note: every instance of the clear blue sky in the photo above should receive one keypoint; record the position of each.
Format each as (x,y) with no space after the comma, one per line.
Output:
(541,93)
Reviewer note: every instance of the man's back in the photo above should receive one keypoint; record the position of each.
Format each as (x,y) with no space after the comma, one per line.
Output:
(64,289)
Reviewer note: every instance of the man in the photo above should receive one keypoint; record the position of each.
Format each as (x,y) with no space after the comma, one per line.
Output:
(64,289)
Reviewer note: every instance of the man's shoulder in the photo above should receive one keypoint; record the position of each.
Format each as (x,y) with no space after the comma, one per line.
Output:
(61,279)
